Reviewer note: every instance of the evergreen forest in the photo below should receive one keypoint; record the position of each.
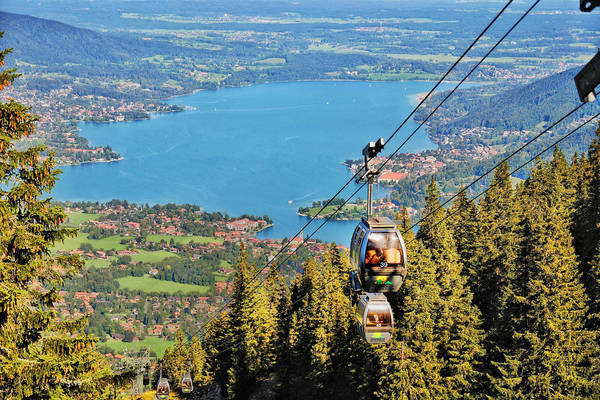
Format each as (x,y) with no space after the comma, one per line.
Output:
(502,300)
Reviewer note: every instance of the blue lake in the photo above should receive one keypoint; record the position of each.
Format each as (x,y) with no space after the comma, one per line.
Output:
(250,150)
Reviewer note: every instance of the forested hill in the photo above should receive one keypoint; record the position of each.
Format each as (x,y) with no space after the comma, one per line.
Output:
(520,108)
(45,42)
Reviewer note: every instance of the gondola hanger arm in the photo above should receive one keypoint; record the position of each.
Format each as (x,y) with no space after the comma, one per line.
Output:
(588,5)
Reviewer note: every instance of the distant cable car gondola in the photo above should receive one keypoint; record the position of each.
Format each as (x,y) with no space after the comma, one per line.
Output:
(375,318)
(187,386)
(378,254)
(163,390)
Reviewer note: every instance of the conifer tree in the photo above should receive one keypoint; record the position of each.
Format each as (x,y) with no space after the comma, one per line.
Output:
(40,356)
(252,325)
(183,358)
(217,342)
(559,166)
(593,322)
(496,246)
(545,348)
(320,322)
(464,225)
(405,225)
(199,363)
(457,329)
(594,290)
(409,366)
(586,225)
(176,361)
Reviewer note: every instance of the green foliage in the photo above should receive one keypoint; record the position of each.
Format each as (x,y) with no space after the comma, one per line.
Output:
(496,245)
(530,330)
(545,348)
(40,356)
(186,357)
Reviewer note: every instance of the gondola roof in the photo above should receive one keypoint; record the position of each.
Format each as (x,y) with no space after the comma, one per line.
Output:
(379,222)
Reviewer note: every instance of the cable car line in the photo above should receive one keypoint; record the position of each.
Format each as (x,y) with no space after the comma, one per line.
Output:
(554,144)
(200,329)
(487,173)
(412,113)
(496,166)
(496,17)
(450,70)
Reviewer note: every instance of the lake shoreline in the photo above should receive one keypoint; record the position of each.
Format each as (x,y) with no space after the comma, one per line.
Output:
(234,154)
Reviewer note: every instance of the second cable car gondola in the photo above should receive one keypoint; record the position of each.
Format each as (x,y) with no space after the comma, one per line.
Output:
(146,377)
(163,390)
(187,386)
(375,320)
(378,254)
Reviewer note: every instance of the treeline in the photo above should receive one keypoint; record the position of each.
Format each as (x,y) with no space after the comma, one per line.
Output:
(502,300)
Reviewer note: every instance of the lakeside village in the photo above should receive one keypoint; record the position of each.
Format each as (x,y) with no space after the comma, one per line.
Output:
(60,111)
(151,271)
(400,167)
(410,166)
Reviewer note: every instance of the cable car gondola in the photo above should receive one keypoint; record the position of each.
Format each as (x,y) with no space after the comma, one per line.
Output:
(187,386)
(378,254)
(375,318)
(146,378)
(163,390)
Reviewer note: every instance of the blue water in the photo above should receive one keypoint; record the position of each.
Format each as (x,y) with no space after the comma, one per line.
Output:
(249,150)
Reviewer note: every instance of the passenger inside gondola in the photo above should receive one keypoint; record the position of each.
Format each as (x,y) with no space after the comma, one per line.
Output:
(383,251)
(186,384)
(162,389)
(379,317)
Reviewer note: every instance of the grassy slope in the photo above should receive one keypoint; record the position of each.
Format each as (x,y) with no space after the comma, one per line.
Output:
(78,218)
(151,285)
(158,345)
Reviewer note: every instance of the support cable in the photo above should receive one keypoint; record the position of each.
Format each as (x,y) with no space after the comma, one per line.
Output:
(517,169)
(489,171)
(551,146)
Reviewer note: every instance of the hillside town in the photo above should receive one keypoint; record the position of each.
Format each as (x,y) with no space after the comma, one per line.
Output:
(60,111)
(151,271)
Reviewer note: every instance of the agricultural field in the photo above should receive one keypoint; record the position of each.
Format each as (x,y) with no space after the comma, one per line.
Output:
(151,285)
(183,239)
(151,256)
(108,243)
(71,243)
(98,263)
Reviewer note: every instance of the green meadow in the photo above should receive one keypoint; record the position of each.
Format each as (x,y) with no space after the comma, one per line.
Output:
(183,239)
(109,243)
(151,256)
(156,344)
(78,218)
(147,284)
